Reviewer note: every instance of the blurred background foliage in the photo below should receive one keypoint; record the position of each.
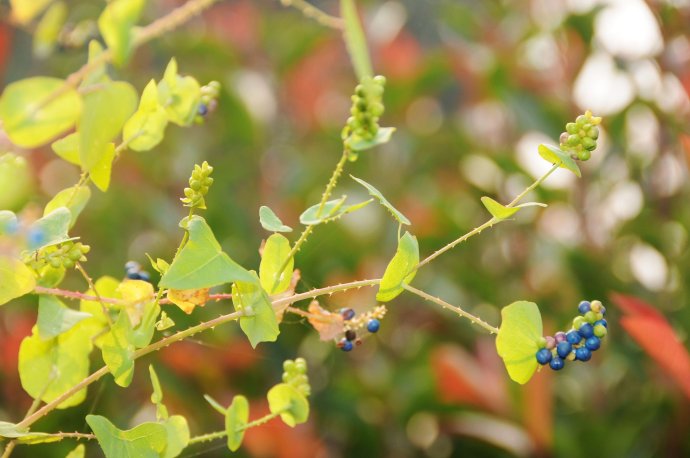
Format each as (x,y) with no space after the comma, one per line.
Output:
(473,87)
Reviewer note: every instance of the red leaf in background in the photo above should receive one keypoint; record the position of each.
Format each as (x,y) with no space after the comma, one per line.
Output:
(648,327)
(537,409)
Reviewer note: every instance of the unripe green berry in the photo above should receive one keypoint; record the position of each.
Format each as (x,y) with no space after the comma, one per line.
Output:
(380,80)
(584,155)
(194,184)
(600,330)
(573,140)
(571,128)
(68,263)
(593,133)
(578,322)
(54,263)
(589,144)
(591,317)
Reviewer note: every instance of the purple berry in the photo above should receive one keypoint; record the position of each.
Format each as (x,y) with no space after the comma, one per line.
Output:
(544,356)
(347,314)
(560,337)
(593,343)
(586,330)
(132,265)
(584,307)
(563,349)
(557,363)
(573,337)
(350,335)
(583,354)
(373,325)
(550,342)
(202,110)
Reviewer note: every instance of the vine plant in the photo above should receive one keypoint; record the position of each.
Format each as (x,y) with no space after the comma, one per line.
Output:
(90,120)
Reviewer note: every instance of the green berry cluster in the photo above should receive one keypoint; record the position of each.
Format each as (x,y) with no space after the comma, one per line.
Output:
(295,374)
(199,183)
(580,137)
(367,108)
(65,255)
(207,101)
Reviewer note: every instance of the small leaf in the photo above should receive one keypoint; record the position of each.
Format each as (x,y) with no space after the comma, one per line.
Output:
(68,148)
(177,439)
(23,11)
(147,440)
(118,350)
(16,279)
(74,199)
(555,155)
(28,120)
(146,128)
(116,25)
(188,299)
(100,173)
(236,418)
(332,210)
(55,318)
(292,405)
(517,340)
(202,263)
(270,221)
(77,452)
(274,254)
(497,210)
(143,333)
(11,430)
(400,270)
(259,322)
(355,40)
(48,29)
(94,326)
(383,135)
(402,219)
(179,95)
(165,322)
(50,229)
(157,395)
(98,73)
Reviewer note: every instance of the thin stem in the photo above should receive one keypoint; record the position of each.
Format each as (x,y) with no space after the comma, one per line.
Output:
(260,421)
(92,287)
(323,291)
(298,244)
(220,434)
(32,408)
(313,12)
(76,295)
(446,305)
(490,222)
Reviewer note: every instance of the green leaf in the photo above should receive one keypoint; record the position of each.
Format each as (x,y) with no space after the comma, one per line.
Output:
(383,135)
(177,431)
(78,452)
(157,395)
(55,318)
(143,333)
(202,263)
(146,128)
(48,29)
(400,270)
(98,74)
(48,368)
(29,119)
(116,25)
(332,210)
(16,279)
(147,440)
(271,222)
(106,108)
(236,418)
(518,337)
(23,11)
(100,173)
(259,321)
(275,252)
(355,40)
(16,182)
(52,228)
(179,95)
(11,430)
(555,155)
(68,148)
(118,350)
(74,199)
(290,403)
(402,219)
(23,435)
(501,212)
(106,287)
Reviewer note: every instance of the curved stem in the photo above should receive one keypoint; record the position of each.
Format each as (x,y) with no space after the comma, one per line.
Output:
(314,13)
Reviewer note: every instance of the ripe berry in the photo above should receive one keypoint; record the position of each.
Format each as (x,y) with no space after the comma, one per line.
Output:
(593,343)
(583,354)
(347,314)
(586,330)
(584,307)
(144,275)
(602,322)
(345,345)
(560,337)
(557,363)
(544,356)
(573,337)
(563,349)
(133,275)
(350,335)
(373,325)
(202,110)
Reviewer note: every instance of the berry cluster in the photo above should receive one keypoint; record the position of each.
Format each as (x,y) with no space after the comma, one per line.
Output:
(207,101)
(199,183)
(133,271)
(295,374)
(580,137)
(369,320)
(578,343)
(367,108)
(66,255)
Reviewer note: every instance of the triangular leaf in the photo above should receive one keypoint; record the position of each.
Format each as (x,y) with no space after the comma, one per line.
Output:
(100,173)
(274,254)
(270,221)
(518,339)
(383,135)
(259,321)
(236,418)
(400,270)
(147,440)
(179,95)
(55,318)
(146,128)
(332,210)
(555,155)
(402,219)
(67,148)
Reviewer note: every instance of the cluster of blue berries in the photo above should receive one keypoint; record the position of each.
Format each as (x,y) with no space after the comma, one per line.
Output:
(133,271)
(371,321)
(578,343)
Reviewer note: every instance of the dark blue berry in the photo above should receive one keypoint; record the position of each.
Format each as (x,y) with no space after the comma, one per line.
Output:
(132,265)
(202,110)
(584,307)
(586,330)
(347,314)
(373,325)
(350,335)
(144,275)
(583,354)
(604,323)
(593,343)
(544,356)
(133,275)
(563,349)
(573,337)
(346,345)
(557,363)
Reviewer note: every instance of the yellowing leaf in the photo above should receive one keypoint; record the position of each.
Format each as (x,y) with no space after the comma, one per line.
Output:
(145,129)
(68,148)
(274,254)
(518,337)
(15,279)
(188,299)
(137,293)
(400,270)
(329,325)
(23,11)
(116,23)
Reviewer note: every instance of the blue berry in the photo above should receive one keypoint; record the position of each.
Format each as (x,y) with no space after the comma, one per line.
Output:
(346,345)
(586,330)
(133,275)
(557,363)
(584,307)
(583,354)
(573,337)
(144,275)
(347,314)
(604,323)
(202,110)
(593,343)
(563,349)
(544,356)
(132,265)
(373,325)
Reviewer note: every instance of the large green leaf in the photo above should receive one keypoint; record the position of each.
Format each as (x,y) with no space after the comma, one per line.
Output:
(147,440)
(55,318)
(332,210)
(236,417)
(355,40)
(274,254)
(399,217)
(116,25)
(74,199)
(30,113)
(518,337)
(48,368)
(271,222)
(118,350)
(290,403)
(401,269)
(16,279)
(177,431)
(50,229)
(179,95)
(146,128)
(202,263)
(259,321)
(555,155)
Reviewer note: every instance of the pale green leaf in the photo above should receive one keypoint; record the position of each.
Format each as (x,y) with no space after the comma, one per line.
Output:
(236,418)
(355,40)
(555,155)
(74,199)
(11,430)
(16,279)
(100,173)
(177,431)
(401,269)
(271,222)
(30,118)
(290,403)
(98,74)
(259,321)
(501,212)
(77,452)
(518,339)
(383,135)
(274,254)
(143,332)
(146,128)
(55,318)
(332,210)
(48,29)
(402,219)
(179,95)
(68,148)
(202,263)
(16,181)
(157,395)
(147,440)
(51,228)
(118,350)
(23,11)
(106,287)
(116,25)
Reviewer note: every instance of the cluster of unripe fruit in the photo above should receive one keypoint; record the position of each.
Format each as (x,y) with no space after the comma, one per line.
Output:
(66,255)
(580,137)
(199,183)
(370,320)
(295,374)
(578,343)
(367,108)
